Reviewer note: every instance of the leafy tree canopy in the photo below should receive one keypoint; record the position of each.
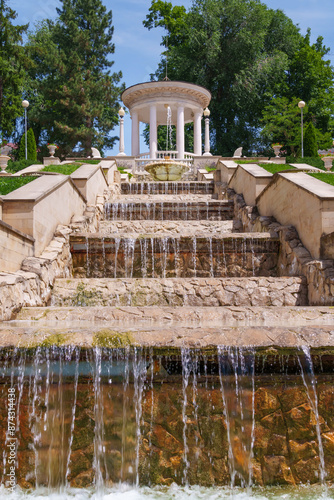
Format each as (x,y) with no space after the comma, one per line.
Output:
(12,69)
(248,56)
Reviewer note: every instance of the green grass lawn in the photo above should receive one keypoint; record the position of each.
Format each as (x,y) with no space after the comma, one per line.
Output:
(273,168)
(9,184)
(329,178)
(66,169)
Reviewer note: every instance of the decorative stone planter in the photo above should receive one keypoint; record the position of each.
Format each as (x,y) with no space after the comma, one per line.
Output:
(328,161)
(3,164)
(277,149)
(52,150)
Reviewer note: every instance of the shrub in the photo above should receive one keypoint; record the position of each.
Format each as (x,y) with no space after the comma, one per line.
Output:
(310,141)
(31,147)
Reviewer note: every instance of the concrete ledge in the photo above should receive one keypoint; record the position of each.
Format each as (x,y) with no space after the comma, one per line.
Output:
(90,180)
(300,200)
(249,180)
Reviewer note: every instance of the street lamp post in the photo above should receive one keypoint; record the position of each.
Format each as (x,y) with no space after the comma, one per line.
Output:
(121,114)
(301,105)
(25,104)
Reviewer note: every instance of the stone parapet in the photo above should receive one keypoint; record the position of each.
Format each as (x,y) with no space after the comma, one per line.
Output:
(300,200)
(37,208)
(90,180)
(294,258)
(249,180)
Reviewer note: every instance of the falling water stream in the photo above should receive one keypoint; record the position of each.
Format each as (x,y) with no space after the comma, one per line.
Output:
(111,421)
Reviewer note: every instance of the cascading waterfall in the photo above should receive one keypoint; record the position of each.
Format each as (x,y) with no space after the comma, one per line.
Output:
(107,415)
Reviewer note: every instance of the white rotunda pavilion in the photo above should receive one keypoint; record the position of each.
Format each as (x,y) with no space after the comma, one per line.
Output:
(149,102)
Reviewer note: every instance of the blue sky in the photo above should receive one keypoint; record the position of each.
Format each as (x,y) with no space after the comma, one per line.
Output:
(138,50)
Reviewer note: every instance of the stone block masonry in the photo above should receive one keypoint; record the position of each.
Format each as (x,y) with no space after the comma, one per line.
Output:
(174,292)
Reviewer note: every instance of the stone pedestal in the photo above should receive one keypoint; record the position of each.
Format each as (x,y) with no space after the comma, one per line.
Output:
(48,160)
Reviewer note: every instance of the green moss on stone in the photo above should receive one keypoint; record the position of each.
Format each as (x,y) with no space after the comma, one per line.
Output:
(86,298)
(54,339)
(109,338)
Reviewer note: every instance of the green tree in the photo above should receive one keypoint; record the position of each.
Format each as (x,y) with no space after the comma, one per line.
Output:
(76,96)
(310,141)
(12,69)
(281,122)
(31,146)
(310,76)
(238,49)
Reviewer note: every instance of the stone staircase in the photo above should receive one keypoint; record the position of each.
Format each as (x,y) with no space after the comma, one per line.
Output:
(168,260)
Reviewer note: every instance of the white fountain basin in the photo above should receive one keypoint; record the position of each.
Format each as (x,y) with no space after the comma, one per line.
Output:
(166,170)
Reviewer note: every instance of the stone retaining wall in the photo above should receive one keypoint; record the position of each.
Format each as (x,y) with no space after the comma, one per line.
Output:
(32,284)
(14,247)
(181,292)
(294,258)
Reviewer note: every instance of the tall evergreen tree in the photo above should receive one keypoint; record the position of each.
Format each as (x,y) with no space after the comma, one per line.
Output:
(310,141)
(78,96)
(12,62)
(31,146)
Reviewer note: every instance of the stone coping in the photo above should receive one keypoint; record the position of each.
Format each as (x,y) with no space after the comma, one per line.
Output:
(39,188)
(87,171)
(310,184)
(16,231)
(254,170)
(305,166)
(29,170)
(228,163)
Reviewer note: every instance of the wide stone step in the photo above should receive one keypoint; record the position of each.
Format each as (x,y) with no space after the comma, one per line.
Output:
(173,188)
(75,327)
(196,292)
(169,210)
(184,228)
(229,316)
(163,256)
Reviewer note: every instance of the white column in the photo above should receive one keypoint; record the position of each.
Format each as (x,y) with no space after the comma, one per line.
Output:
(180,132)
(134,134)
(207,137)
(198,133)
(153,132)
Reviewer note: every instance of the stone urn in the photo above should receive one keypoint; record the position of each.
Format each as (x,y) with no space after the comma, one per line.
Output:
(52,149)
(328,161)
(3,163)
(277,148)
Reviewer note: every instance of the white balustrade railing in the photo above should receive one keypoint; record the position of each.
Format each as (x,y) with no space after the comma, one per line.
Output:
(144,158)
